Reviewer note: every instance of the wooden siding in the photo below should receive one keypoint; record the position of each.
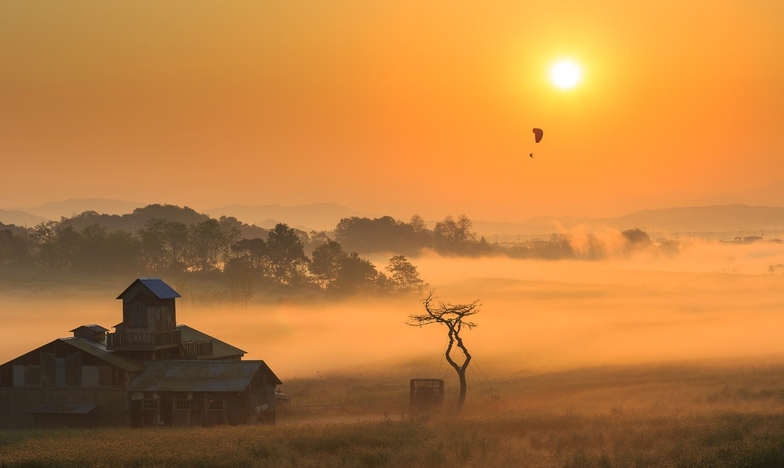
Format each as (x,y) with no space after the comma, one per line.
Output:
(15,404)
(142,309)
(201,409)
(129,340)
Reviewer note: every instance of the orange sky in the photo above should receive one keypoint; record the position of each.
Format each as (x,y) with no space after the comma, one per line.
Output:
(391,107)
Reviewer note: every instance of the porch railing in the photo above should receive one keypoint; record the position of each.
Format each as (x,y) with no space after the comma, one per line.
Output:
(132,340)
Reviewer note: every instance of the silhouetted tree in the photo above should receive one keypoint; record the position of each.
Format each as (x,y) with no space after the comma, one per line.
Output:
(56,245)
(636,239)
(326,262)
(92,250)
(385,234)
(253,254)
(453,317)
(165,244)
(13,248)
(355,274)
(454,236)
(43,238)
(210,242)
(403,276)
(241,279)
(417,224)
(559,246)
(122,252)
(670,247)
(422,236)
(287,254)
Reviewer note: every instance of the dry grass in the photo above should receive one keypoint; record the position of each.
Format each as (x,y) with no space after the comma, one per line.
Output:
(700,415)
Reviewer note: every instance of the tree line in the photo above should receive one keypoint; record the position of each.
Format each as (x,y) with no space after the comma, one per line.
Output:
(166,239)
(216,248)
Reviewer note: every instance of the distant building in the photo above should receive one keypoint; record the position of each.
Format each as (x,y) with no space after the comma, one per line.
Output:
(150,371)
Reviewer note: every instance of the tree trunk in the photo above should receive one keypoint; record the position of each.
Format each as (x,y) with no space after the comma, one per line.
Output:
(460,369)
(461,396)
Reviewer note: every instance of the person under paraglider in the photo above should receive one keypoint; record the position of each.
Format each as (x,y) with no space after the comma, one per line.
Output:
(537,138)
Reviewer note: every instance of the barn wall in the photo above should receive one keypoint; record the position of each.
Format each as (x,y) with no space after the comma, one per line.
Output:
(113,405)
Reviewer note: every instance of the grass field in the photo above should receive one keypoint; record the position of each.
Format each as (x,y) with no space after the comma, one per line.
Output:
(700,414)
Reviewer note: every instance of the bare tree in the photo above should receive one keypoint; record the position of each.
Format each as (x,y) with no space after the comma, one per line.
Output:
(453,316)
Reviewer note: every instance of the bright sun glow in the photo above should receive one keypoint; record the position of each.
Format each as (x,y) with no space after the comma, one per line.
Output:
(565,74)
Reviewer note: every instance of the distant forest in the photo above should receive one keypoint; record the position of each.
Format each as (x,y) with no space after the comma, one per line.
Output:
(172,240)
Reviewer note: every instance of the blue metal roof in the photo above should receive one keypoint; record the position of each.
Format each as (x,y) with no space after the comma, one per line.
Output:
(156,286)
(92,327)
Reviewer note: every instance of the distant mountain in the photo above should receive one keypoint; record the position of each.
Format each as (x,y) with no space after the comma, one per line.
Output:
(706,218)
(16,230)
(20,218)
(316,216)
(716,221)
(137,219)
(75,206)
(769,195)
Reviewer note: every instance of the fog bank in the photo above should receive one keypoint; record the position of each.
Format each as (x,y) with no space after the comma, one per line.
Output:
(709,301)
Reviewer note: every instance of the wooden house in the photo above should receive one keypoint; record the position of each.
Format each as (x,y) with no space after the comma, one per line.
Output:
(150,371)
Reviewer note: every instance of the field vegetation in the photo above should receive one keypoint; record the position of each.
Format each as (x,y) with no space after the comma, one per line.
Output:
(702,414)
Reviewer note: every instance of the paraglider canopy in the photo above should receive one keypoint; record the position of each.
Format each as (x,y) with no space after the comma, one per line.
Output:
(538,134)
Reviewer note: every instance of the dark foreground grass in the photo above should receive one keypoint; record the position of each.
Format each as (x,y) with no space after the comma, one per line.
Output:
(723,439)
(728,415)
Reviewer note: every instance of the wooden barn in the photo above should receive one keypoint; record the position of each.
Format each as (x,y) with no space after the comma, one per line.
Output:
(150,371)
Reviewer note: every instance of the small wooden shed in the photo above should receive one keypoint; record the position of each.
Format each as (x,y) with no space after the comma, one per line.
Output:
(426,395)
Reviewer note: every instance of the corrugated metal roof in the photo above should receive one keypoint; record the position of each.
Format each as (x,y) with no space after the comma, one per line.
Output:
(99,350)
(62,409)
(156,286)
(220,349)
(199,376)
(92,327)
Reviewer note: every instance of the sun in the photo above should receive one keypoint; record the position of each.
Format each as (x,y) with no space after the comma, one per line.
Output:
(565,74)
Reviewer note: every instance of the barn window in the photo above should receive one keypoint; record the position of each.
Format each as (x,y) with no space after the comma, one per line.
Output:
(216,405)
(182,404)
(150,404)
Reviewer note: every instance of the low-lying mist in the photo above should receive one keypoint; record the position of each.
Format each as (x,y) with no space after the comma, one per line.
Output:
(708,301)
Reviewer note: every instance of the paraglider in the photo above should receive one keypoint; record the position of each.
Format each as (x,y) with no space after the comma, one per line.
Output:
(537,138)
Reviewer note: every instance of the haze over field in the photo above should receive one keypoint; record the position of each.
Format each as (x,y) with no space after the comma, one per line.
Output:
(711,301)
(393,107)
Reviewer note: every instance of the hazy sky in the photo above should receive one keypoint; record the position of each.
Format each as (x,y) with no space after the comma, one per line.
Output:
(394,107)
